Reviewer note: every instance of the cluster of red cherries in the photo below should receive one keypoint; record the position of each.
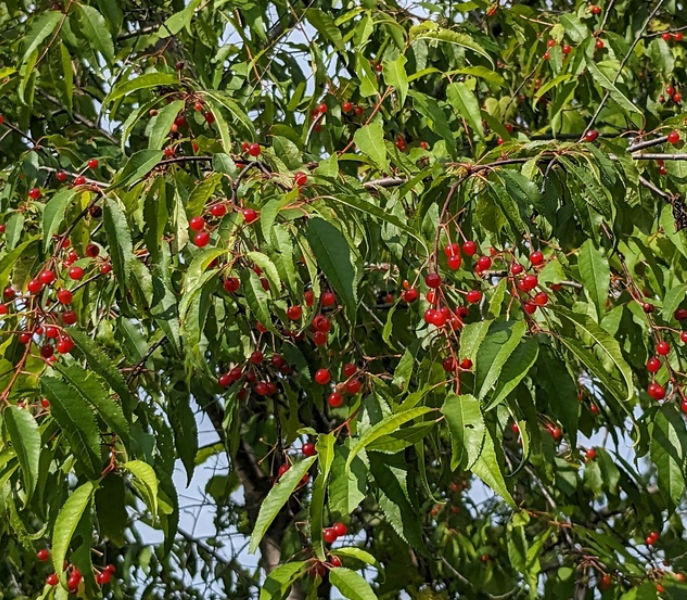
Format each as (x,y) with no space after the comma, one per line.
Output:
(75,577)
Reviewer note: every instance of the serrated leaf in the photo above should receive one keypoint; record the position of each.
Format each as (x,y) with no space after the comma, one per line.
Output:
(326,27)
(149,80)
(119,237)
(41,27)
(76,419)
(66,523)
(279,581)
(138,166)
(278,496)
(357,554)
(334,258)
(234,108)
(26,442)
(498,345)
(369,139)
(394,74)
(179,20)
(608,85)
(325,458)
(668,452)
(514,370)
(162,124)
(595,274)
(94,27)
(466,426)
(488,469)
(145,477)
(351,585)
(431,31)
(256,297)
(467,106)
(53,215)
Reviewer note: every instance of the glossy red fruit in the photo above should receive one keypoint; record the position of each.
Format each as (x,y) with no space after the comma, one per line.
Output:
(93,163)
(320,338)
(591,135)
(24,338)
(605,582)
(530,308)
(76,273)
(353,386)
(449,364)
(254,149)
(209,117)
(294,312)
(335,399)
(329,535)
(43,554)
(541,299)
(599,44)
(106,268)
(335,561)
(556,433)
(309,298)
(283,469)
(677,36)
(347,106)
(666,36)
(103,578)
(656,391)
(197,223)
(308,449)
(409,295)
(469,248)
(545,56)
(3,309)
(653,365)
(529,282)
(322,376)
(433,280)
(349,369)
(250,215)
(52,579)
(300,178)
(65,345)
(34,286)
(648,308)
(65,297)
(231,284)
(257,357)
(47,351)
(46,277)
(674,137)
(590,454)
(452,250)
(34,193)
(218,210)
(662,348)
(594,409)
(69,317)
(454,262)
(52,332)
(677,97)
(92,250)
(566,49)
(9,293)
(536,258)
(201,239)
(466,364)
(474,296)
(79,180)
(484,263)
(225,380)
(61,176)
(340,529)
(328,299)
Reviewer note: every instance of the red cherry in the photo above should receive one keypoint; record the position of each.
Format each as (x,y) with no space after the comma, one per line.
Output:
(556,433)
(349,369)
(321,323)
(231,284)
(209,118)
(484,263)
(24,338)
(449,364)
(590,454)
(300,178)
(530,308)
(328,299)
(52,579)
(401,145)
(322,376)
(294,313)
(254,149)
(353,386)
(335,561)
(596,10)
(61,176)
(529,282)
(335,399)
(469,248)
(433,280)
(201,239)
(43,554)
(541,299)
(92,250)
(566,49)
(594,409)
(666,36)
(599,44)
(670,90)
(34,193)
(309,449)
(197,223)
(52,332)
(648,308)
(103,578)
(677,97)
(605,582)
(656,391)
(93,163)
(452,250)
(65,345)
(3,309)
(47,351)
(250,215)
(545,56)
(454,262)
(347,106)
(284,468)
(218,210)
(466,364)
(662,348)
(409,295)
(674,137)
(516,269)
(309,298)
(653,365)
(34,286)
(79,180)
(358,110)
(224,380)
(340,529)
(257,357)
(329,535)
(65,297)
(9,293)
(536,258)
(320,338)
(106,268)
(474,296)
(677,36)
(76,273)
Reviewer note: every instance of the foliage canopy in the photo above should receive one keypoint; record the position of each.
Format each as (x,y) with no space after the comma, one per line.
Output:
(422,271)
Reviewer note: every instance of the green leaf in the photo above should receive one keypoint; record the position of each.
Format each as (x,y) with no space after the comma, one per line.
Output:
(162,124)
(605,342)
(278,496)
(256,297)
(183,423)
(358,554)
(91,390)
(119,237)
(467,106)
(595,274)
(137,167)
(279,582)
(104,366)
(334,258)
(368,81)
(471,338)
(76,419)
(66,523)
(668,451)
(389,424)
(351,585)
(149,80)
(26,441)
(326,27)
(369,139)
(488,469)
(67,77)
(394,74)
(466,426)
(178,21)
(147,482)
(110,503)
(234,108)
(325,458)
(672,301)
(428,30)
(95,29)
(607,85)
(514,370)
(495,350)
(41,27)
(53,215)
